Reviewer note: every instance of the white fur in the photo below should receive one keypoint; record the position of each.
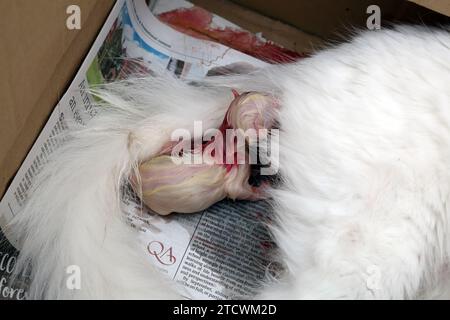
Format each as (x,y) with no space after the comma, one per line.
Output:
(73,217)
(364,157)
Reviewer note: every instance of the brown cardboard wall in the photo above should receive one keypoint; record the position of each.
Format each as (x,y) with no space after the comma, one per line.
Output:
(305,26)
(321,18)
(38,58)
(442,6)
(327,19)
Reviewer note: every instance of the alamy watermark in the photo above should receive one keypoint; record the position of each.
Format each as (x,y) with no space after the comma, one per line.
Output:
(73,280)
(227,147)
(73,21)
(373,280)
(373,22)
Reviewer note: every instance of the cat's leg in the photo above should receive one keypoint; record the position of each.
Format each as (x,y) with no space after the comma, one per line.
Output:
(358,220)
(354,222)
(392,251)
(364,149)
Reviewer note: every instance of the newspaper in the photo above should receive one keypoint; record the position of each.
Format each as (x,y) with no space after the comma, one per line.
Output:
(220,253)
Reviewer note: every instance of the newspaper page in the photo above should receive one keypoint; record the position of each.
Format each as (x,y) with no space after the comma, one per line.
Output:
(220,253)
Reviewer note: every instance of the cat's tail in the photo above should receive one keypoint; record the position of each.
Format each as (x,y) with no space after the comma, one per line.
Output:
(72,231)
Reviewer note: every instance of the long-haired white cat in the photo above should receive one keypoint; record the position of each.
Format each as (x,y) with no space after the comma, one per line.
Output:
(364,162)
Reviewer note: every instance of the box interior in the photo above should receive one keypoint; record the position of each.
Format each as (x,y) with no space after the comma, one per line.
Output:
(40,56)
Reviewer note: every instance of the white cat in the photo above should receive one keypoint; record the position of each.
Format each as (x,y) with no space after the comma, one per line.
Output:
(362,212)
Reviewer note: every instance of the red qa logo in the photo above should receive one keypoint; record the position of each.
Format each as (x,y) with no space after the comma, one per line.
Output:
(165,257)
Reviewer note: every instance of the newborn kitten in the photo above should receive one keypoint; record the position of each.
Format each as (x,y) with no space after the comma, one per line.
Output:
(364,160)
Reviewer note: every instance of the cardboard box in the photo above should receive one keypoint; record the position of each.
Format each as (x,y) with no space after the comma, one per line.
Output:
(39,55)
(38,58)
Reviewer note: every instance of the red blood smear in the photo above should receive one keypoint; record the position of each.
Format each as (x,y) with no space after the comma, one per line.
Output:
(196,22)
(223,128)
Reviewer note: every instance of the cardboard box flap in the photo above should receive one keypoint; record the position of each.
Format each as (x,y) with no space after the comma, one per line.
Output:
(441,6)
(39,57)
(327,19)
